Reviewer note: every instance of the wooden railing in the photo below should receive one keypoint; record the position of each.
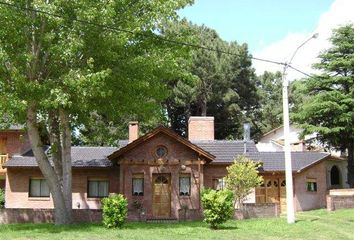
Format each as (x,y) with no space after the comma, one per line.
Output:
(3,159)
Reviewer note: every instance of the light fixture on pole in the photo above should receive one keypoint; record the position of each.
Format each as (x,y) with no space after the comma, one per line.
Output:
(287,152)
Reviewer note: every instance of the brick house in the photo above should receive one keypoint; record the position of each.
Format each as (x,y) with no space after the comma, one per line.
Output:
(162,173)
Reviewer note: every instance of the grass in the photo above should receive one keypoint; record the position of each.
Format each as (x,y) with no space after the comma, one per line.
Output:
(318,224)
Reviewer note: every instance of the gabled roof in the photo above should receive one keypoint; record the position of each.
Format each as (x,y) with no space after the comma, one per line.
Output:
(273,130)
(216,151)
(168,132)
(81,157)
(275,161)
(292,125)
(225,151)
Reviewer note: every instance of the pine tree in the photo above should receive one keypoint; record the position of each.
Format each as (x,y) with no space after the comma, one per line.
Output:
(329,107)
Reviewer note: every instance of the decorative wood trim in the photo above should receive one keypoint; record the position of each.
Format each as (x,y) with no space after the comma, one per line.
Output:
(154,162)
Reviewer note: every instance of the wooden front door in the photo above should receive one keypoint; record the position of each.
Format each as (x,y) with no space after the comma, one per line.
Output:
(272,189)
(161,199)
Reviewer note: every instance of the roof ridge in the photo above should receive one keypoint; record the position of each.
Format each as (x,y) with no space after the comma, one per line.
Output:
(93,147)
(294,152)
(223,141)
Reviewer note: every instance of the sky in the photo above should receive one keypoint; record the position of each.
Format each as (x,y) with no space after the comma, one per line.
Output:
(273,29)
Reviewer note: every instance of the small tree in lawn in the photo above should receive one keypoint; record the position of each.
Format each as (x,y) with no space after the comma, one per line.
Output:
(242,177)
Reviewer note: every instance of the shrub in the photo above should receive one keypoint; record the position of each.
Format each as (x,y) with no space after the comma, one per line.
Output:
(115,210)
(217,206)
(2,198)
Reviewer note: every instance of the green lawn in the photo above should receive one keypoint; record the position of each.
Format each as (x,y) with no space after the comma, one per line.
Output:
(310,225)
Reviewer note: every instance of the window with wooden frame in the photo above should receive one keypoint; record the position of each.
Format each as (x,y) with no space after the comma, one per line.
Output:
(38,187)
(185,185)
(219,183)
(97,188)
(311,185)
(138,185)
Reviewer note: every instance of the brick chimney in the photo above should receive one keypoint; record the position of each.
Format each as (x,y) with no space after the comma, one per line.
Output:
(201,128)
(133,131)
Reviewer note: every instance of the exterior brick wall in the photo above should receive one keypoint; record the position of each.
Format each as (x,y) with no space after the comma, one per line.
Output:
(8,216)
(213,171)
(190,214)
(17,187)
(258,210)
(16,142)
(249,210)
(338,202)
(305,200)
(201,128)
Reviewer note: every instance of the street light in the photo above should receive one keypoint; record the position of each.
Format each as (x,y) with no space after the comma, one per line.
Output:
(287,153)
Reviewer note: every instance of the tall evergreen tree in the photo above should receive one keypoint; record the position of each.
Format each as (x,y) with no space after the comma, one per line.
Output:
(329,108)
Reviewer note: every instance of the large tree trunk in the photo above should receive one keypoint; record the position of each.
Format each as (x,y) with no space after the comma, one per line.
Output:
(66,160)
(54,138)
(62,209)
(350,165)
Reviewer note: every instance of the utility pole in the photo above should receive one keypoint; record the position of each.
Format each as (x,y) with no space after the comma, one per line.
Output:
(287,151)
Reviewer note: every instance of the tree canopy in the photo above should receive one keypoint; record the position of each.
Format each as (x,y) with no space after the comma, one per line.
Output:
(219,85)
(270,91)
(62,61)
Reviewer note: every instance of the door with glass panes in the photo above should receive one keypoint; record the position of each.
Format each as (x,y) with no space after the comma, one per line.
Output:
(161,199)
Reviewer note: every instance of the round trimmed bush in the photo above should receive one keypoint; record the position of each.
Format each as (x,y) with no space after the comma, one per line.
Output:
(218,206)
(115,211)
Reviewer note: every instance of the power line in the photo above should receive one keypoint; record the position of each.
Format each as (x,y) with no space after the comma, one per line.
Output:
(113,28)
(298,70)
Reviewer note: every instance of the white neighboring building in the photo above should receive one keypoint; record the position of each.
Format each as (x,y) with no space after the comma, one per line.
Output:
(273,141)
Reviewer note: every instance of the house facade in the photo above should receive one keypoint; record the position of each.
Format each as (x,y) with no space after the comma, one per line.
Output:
(336,169)
(161,173)
(13,141)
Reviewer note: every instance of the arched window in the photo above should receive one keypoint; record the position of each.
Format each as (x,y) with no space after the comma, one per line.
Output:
(335,176)
(161,180)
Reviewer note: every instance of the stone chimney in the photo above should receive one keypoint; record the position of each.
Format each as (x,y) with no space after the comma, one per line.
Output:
(133,131)
(201,128)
